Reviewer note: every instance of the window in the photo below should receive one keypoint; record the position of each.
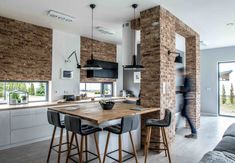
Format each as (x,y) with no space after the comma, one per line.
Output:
(96,89)
(38,91)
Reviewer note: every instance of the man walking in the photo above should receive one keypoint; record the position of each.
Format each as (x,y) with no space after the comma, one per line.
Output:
(185,90)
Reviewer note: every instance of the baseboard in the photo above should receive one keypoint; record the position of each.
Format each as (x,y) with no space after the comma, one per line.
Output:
(209,114)
(26,142)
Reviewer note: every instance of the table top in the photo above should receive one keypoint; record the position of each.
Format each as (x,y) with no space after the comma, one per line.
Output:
(94,113)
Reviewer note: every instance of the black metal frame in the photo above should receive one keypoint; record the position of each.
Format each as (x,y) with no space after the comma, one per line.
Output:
(108,155)
(86,151)
(218,87)
(65,143)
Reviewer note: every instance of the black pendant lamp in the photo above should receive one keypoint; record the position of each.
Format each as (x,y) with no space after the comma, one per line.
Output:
(134,65)
(91,65)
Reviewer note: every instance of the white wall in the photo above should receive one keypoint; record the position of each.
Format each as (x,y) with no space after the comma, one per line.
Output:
(209,76)
(63,45)
(119,82)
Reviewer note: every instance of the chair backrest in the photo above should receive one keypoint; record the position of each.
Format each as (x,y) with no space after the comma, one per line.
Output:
(53,118)
(167,117)
(73,124)
(129,123)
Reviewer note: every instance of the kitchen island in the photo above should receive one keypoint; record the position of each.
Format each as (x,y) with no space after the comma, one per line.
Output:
(27,123)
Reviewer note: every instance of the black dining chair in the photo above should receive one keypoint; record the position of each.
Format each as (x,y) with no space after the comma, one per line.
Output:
(162,124)
(53,118)
(127,124)
(74,124)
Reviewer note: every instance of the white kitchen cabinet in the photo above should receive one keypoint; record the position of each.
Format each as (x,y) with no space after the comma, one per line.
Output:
(29,125)
(4,128)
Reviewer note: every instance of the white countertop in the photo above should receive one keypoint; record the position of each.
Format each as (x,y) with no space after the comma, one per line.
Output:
(55,104)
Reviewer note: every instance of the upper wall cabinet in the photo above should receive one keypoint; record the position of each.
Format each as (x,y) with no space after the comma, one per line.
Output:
(110,70)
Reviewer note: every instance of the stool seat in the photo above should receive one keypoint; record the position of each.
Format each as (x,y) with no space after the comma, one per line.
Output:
(116,129)
(88,129)
(156,122)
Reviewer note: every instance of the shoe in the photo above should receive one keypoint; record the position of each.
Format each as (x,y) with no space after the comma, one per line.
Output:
(191,136)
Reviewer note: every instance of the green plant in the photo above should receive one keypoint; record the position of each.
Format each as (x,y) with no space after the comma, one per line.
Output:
(31,89)
(15,96)
(41,90)
(232,94)
(223,95)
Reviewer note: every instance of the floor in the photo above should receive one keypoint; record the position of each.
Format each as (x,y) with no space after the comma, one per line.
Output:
(182,150)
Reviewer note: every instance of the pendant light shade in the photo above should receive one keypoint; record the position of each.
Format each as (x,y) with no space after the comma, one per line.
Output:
(178,59)
(134,65)
(91,65)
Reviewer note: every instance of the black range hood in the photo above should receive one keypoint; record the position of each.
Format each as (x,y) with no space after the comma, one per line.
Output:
(109,70)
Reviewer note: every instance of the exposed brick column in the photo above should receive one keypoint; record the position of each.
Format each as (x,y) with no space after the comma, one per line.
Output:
(193,70)
(159,66)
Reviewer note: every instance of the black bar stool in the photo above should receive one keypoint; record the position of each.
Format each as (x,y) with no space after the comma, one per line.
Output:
(127,124)
(74,124)
(166,122)
(53,118)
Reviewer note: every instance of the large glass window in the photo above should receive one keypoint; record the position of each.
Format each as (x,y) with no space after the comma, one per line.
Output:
(38,91)
(96,89)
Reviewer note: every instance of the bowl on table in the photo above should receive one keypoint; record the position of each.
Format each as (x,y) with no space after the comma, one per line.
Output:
(106,105)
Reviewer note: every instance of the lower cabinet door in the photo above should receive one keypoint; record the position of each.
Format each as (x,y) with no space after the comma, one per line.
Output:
(5,128)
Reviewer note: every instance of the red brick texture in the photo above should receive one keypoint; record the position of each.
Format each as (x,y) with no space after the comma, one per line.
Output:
(25,51)
(160,67)
(102,51)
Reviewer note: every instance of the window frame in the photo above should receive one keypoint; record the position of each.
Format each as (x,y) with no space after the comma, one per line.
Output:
(23,81)
(101,88)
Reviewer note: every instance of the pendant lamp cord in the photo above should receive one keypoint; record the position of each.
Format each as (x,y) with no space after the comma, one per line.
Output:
(92,34)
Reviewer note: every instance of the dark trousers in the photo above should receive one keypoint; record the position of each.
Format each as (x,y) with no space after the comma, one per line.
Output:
(185,114)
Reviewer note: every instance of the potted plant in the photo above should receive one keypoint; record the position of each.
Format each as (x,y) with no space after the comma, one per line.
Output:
(14,98)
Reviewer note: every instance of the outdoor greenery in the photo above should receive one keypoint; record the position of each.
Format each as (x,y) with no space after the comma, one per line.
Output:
(33,89)
(231,94)
(223,95)
(41,90)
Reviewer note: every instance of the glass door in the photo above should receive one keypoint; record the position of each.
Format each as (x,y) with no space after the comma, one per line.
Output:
(226,88)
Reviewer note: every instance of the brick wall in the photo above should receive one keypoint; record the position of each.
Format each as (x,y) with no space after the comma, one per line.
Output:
(102,51)
(160,67)
(25,51)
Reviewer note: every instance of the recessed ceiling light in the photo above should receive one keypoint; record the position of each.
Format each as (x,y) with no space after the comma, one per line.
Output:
(60,16)
(230,24)
(104,30)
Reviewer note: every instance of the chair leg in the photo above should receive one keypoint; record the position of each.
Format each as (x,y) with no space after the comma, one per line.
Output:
(51,144)
(70,146)
(164,140)
(106,147)
(76,139)
(67,139)
(168,151)
(97,147)
(81,149)
(133,147)
(120,147)
(60,144)
(86,147)
(148,137)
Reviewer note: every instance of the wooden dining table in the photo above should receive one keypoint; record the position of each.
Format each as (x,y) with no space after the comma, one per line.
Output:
(94,113)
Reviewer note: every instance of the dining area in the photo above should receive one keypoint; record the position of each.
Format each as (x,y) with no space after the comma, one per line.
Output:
(91,133)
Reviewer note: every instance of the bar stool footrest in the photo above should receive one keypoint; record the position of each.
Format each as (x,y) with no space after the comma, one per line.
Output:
(131,155)
(71,157)
(54,147)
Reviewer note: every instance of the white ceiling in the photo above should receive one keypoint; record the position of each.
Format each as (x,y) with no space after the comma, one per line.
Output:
(208,18)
